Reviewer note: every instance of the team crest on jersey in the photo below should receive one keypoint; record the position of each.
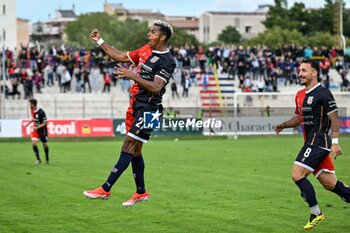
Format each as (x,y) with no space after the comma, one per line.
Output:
(310,99)
(154,59)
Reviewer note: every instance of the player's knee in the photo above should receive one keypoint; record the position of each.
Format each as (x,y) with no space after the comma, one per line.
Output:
(129,145)
(328,185)
(297,176)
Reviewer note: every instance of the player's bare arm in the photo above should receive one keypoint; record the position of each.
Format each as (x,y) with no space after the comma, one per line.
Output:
(113,53)
(28,124)
(152,86)
(335,149)
(40,126)
(291,123)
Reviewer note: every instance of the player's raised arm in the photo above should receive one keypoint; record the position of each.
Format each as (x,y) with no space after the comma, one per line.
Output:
(291,123)
(113,53)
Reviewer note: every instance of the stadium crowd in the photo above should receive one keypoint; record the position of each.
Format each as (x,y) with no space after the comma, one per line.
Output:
(82,70)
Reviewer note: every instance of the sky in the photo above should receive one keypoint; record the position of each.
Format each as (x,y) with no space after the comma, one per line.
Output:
(39,10)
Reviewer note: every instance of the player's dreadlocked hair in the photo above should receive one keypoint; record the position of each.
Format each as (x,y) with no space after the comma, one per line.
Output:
(165,28)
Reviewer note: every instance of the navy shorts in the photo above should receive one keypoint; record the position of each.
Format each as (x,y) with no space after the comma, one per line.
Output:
(138,130)
(310,157)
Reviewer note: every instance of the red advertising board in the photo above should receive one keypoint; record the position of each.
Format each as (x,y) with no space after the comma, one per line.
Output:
(74,128)
(55,128)
(95,128)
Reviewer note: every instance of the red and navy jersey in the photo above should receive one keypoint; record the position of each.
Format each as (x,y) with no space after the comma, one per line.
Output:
(151,63)
(313,108)
(39,117)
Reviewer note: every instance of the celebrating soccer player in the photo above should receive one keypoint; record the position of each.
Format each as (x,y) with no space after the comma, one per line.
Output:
(39,130)
(155,67)
(316,111)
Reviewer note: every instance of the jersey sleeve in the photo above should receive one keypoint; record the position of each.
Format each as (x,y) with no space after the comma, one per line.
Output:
(135,55)
(329,103)
(42,117)
(296,106)
(165,71)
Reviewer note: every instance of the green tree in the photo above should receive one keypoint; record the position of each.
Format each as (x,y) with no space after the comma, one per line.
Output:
(180,38)
(277,15)
(321,39)
(78,31)
(321,20)
(299,18)
(229,35)
(276,36)
(124,35)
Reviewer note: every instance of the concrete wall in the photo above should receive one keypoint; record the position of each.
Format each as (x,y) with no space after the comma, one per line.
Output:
(22,32)
(8,23)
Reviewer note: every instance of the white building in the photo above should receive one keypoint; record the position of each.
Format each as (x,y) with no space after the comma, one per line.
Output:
(212,23)
(8,24)
(52,30)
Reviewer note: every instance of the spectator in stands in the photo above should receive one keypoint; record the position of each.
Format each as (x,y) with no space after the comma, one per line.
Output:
(66,78)
(339,65)
(345,85)
(37,81)
(7,91)
(125,84)
(231,64)
(255,66)
(95,78)
(33,57)
(28,87)
(247,82)
(86,79)
(249,98)
(78,78)
(48,72)
(107,82)
(59,74)
(186,86)
(15,83)
(261,84)
(174,89)
(205,80)
(241,71)
(308,53)
(193,77)
(202,58)
(325,66)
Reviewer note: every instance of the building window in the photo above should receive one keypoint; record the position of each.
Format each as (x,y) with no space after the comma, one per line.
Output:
(4,9)
(248,29)
(4,35)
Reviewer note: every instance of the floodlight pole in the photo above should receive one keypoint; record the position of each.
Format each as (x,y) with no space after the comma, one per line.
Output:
(342,38)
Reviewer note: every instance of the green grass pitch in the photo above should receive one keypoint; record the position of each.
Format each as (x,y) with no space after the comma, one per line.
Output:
(209,185)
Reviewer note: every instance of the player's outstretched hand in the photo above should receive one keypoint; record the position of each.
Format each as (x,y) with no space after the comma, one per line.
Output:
(278,128)
(95,35)
(122,72)
(336,150)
